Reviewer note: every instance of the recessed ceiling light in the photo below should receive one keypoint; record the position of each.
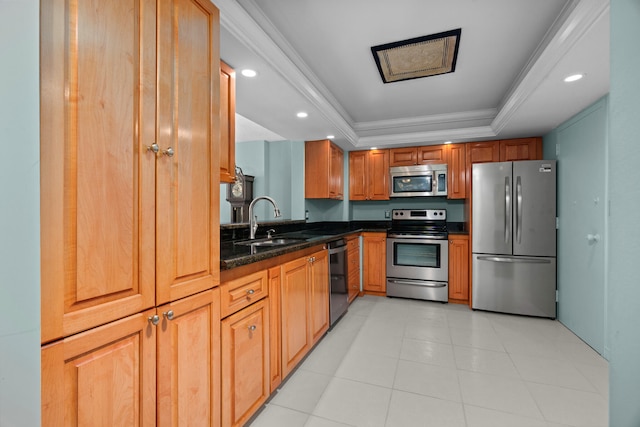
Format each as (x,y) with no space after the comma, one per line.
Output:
(330,136)
(448,142)
(302,114)
(373,148)
(249,73)
(573,78)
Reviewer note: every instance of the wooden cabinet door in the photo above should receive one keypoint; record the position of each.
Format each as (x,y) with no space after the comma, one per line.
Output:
(243,291)
(459,268)
(275,337)
(227,123)
(374,263)
(245,363)
(520,149)
(323,170)
(187,196)
(319,295)
(456,171)
(358,175)
(483,152)
(97,176)
(296,340)
(378,175)
(336,173)
(353,267)
(406,156)
(432,154)
(102,377)
(189,361)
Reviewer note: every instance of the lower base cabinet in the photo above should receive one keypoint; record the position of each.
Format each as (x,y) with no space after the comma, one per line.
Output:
(459,268)
(245,363)
(135,371)
(304,307)
(374,263)
(353,267)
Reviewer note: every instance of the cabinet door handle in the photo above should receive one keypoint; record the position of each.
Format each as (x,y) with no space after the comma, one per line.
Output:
(168,152)
(153,147)
(154,320)
(168,314)
(252,328)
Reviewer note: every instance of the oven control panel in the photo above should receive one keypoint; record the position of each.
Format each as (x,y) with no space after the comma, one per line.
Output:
(418,214)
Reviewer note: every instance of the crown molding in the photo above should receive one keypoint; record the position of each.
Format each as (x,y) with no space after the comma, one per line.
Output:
(428,137)
(574,22)
(251,27)
(235,19)
(434,119)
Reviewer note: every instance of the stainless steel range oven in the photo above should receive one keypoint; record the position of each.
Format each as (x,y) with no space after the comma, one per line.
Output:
(418,254)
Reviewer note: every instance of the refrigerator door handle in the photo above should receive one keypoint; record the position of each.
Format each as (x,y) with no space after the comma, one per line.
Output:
(507,209)
(518,259)
(519,210)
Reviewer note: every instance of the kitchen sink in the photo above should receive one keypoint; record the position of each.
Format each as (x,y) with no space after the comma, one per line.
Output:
(270,242)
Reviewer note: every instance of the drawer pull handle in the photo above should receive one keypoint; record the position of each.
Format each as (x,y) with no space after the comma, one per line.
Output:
(250,292)
(252,328)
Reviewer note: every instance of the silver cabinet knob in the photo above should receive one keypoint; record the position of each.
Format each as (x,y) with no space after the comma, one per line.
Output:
(154,320)
(250,292)
(168,314)
(252,328)
(168,152)
(153,147)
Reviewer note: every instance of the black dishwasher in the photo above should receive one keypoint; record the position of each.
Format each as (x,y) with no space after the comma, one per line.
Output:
(338,293)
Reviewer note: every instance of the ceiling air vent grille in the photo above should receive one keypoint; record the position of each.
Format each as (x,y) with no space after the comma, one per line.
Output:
(418,57)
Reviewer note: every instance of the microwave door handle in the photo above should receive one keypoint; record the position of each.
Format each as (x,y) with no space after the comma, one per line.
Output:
(507,209)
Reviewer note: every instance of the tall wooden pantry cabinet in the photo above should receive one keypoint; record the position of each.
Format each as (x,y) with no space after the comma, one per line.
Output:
(129,211)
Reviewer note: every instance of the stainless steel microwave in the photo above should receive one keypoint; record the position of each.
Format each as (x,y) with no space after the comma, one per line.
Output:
(418,181)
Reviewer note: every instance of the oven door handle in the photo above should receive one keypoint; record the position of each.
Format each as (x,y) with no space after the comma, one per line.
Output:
(418,283)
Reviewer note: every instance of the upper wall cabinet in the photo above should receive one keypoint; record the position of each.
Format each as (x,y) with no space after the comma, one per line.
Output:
(456,155)
(505,150)
(227,123)
(129,157)
(409,156)
(323,170)
(520,149)
(369,175)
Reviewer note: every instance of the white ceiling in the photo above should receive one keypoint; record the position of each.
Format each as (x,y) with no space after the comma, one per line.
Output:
(315,56)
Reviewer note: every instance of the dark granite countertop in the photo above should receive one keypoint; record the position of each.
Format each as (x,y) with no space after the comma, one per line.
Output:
(233,255)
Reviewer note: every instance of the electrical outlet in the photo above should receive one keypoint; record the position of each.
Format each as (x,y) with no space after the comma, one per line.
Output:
(306,214)
(387,214)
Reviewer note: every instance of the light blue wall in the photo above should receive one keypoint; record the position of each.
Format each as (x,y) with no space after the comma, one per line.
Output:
(375,210)
(624,230)
(19,215)
(346,210)
(581,144)
(278,171)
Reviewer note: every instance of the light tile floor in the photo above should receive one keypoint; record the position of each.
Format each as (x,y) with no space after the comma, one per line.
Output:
(397,363)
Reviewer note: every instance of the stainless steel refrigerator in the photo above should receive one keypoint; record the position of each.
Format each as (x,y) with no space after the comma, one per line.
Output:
(514,237)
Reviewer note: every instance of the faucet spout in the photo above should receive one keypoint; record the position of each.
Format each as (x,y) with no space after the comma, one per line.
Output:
(253,220)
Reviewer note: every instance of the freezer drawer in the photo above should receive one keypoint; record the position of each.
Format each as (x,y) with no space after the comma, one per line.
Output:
(515,284)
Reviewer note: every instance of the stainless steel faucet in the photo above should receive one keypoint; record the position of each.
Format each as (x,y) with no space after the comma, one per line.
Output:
(253,220)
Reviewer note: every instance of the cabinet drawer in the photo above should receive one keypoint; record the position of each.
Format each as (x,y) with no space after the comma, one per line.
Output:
(239,293)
